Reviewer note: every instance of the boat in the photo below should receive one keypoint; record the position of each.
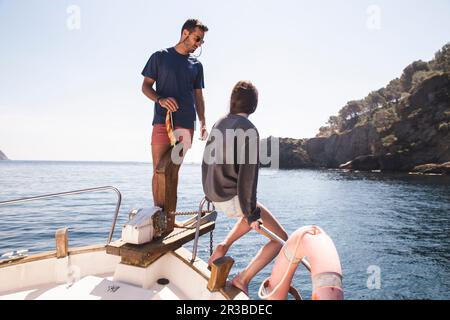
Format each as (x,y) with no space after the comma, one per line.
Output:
(149,261)
(158,270)
(161,269)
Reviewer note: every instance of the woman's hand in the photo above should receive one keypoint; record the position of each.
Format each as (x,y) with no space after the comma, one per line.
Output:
(255,225)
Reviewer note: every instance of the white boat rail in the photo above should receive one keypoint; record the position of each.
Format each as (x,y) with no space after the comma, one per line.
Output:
(97,189)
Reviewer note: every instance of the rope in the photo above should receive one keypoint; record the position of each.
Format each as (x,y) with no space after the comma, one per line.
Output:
(261,291)
(169,128)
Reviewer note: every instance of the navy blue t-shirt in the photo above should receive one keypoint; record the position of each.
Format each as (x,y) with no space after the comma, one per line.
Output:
(176,76)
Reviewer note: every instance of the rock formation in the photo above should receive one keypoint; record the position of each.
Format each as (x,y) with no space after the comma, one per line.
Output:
(3,156)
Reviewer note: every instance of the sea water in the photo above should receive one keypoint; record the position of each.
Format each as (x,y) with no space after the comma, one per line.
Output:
(391,230)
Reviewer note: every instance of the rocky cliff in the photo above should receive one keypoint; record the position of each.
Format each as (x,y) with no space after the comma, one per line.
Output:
(418,135)
(3,156)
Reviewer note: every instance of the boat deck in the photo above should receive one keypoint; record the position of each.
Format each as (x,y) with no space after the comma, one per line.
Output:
(96,275)
(97,288)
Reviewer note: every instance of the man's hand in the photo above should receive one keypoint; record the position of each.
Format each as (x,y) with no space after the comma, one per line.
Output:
(203,132)
(169,103)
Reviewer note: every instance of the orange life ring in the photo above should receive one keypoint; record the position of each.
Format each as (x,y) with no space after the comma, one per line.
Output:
(326,272)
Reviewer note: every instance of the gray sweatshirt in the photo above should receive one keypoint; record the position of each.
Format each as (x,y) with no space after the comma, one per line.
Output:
(231,163)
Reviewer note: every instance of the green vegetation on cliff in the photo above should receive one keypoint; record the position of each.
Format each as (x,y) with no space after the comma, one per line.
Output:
(404,126)
(381,107)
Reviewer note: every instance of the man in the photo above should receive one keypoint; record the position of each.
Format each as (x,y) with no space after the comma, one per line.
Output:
(179,83)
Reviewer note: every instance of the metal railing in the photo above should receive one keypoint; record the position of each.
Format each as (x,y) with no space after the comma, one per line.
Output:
(197,227)
(98,189)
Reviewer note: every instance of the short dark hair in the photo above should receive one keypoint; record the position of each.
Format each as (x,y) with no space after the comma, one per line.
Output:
(244,98)
(191,24)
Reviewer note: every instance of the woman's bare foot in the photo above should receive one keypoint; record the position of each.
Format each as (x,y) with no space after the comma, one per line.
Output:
(238,283)
(221,250)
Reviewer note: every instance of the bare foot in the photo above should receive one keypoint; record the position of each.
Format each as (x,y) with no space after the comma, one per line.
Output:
(238,283)
(221,250)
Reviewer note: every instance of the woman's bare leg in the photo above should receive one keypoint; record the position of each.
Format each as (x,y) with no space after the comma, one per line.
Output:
(239,229)
(266,254)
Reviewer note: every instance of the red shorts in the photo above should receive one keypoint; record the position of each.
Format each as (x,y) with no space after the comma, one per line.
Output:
(160,136)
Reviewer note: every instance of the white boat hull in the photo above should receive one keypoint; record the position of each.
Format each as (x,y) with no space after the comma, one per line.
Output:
(92,274)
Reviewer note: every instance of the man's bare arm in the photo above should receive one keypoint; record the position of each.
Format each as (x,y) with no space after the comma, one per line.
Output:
(147,89)
(200,107)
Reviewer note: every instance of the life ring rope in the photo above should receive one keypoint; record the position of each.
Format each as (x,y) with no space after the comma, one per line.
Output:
(262,292)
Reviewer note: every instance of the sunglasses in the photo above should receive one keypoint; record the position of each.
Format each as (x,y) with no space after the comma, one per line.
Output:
(199,40)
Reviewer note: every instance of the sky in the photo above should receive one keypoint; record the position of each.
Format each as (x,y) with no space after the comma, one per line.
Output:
(70,71)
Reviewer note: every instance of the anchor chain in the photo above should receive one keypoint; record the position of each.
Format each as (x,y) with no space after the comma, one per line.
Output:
(211,243)
(187,213)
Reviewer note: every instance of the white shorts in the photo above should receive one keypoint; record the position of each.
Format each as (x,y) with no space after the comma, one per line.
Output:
(231,208)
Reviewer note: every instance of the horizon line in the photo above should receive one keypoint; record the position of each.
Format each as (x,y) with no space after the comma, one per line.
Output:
(92,161)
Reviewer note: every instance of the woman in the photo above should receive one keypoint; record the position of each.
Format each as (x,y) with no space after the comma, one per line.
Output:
(230,177)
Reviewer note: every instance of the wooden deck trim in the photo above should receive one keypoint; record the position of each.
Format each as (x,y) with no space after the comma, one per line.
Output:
(198,266)
(62,242)
(26,259)
(220,270)
(52,254)
(229,291)
(87,249)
